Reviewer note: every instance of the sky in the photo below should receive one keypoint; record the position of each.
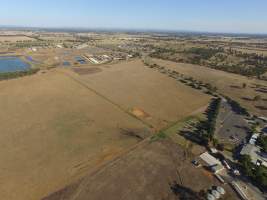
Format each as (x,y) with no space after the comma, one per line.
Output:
(233,16)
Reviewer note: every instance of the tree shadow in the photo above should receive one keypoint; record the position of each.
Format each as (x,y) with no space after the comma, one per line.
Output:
(247,99)
(184,193)
(261,90)
(261,107)
(235,87)
(245,128)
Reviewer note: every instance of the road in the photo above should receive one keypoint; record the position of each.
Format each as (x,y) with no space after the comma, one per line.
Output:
(252,192)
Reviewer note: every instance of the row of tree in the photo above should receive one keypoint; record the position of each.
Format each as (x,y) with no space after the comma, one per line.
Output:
(236,107)
(210,125)
(247,64)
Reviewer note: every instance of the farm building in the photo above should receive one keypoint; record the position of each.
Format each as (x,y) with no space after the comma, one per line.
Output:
(210,160)
(217,169)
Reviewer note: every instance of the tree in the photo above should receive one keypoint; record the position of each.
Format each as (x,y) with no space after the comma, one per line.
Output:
(261,176)
(215,142)
(221,147)
(257,98)
(214,89)
(246,165)
(262,142)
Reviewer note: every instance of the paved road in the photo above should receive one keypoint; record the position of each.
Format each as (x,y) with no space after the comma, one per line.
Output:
(231,127)
(252,192)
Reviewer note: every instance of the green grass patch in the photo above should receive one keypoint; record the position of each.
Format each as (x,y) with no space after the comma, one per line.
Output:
(159,136)
(173,130)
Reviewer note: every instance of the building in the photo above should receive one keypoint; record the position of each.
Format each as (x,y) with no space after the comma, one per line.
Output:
(263,119)
(254,139)
(59,46)
(210,160)
(82,46)
(93,60)
(217,169)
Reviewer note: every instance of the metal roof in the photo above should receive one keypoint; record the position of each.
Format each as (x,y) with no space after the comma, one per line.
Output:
(209,159)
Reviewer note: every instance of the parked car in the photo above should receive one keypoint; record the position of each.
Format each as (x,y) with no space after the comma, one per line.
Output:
(196,163)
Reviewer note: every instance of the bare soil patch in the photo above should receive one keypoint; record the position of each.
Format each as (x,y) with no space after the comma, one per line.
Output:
(139,113)
(86,71)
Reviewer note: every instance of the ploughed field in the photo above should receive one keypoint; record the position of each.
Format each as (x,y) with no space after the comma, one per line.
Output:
(57,126)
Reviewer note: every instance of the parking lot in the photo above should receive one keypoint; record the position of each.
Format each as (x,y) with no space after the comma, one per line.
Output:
(231,127)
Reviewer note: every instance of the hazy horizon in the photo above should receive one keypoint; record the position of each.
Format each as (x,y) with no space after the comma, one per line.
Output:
(193,16)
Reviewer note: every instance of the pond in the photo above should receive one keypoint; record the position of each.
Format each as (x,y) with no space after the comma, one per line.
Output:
(66,64)
(80,60)
(12,64)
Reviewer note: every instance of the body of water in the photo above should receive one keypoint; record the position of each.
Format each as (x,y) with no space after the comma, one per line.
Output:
(66,64)
(80,60)
(12,64)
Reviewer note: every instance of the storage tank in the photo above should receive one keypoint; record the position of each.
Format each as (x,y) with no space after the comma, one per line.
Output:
(216,194)
(210,197)
(220,190)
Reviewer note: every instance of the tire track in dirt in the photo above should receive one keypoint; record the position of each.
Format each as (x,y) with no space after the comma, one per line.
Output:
(84,85)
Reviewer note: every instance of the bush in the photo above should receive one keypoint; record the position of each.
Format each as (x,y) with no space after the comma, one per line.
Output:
(12,75)
(262,142)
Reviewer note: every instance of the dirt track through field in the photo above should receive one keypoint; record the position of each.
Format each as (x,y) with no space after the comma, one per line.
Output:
(64,126)
(105,98)
(53,131)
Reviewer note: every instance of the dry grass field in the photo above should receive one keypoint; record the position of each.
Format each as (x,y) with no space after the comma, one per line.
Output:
(15,38)
(148,172)
(156,99)
(57,126)
(227,83)
(52,131)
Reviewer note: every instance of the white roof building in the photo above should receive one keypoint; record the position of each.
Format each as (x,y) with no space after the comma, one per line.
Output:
(210,160)
(254,139)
